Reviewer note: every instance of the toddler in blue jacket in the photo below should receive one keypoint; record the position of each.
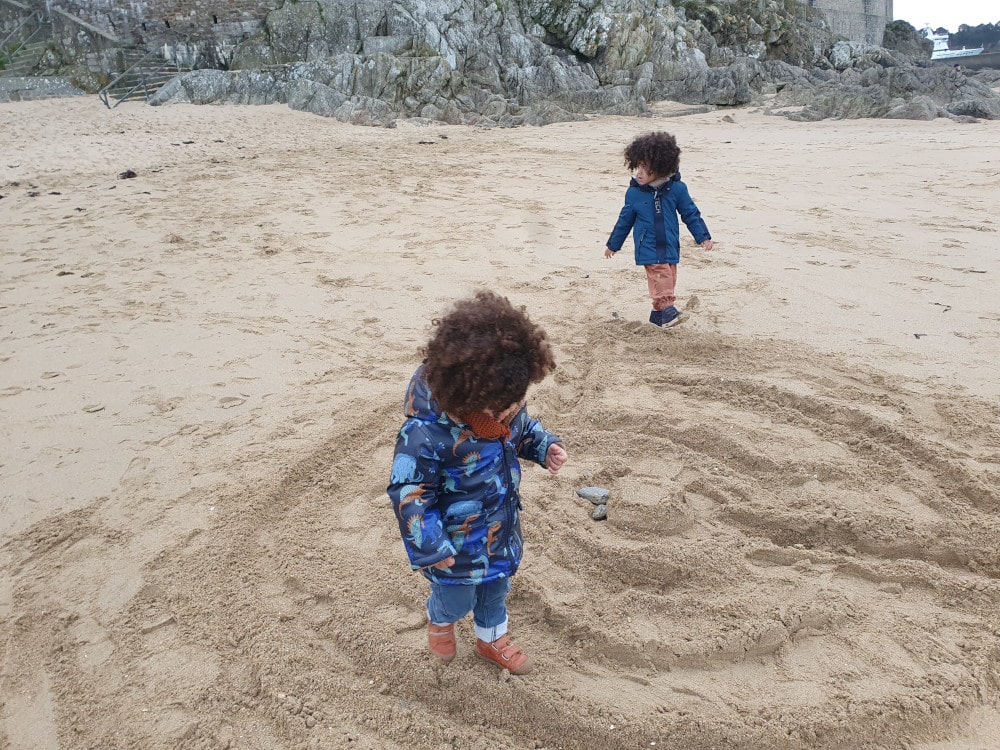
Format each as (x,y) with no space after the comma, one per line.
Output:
(456,475)
(654,198)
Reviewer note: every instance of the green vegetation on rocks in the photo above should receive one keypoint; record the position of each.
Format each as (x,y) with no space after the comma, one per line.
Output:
(901,37)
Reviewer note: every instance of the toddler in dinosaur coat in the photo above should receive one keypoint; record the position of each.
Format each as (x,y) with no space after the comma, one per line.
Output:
(456,474)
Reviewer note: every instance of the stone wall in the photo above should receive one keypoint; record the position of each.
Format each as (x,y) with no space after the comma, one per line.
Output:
(193,19)
(857,20)
(11,15)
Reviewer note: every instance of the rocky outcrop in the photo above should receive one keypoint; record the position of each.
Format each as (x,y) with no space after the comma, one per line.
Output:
(903,92)
(19,89)
(512,62)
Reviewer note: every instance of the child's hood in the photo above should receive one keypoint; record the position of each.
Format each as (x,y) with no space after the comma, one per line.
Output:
(419,402)
(675,177)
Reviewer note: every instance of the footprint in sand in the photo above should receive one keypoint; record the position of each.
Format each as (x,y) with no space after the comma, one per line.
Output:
(228,402)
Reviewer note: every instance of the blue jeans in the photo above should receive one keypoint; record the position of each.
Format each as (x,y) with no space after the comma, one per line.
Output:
(487,602)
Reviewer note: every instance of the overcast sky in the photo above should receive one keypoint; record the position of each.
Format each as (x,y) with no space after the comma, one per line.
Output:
(948,13)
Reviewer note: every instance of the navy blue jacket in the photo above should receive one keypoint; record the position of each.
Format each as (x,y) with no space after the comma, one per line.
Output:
(458,494)
(651,215)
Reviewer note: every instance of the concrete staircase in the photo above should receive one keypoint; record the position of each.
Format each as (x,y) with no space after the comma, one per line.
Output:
(23,51)
(144,73)
(134,72)
(29,58)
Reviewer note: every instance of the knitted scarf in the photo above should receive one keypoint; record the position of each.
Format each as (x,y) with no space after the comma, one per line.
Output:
(486,426)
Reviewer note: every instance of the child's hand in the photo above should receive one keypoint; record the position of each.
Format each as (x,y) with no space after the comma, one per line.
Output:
(446,563)
(555,457)
(609,253)
(707,245)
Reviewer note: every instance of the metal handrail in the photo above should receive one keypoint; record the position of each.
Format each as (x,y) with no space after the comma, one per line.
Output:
(8,56)
(20,7)
(103,93)
(143,82)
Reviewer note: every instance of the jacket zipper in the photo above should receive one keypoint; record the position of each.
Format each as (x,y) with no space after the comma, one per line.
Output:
(508,501)
(658,216)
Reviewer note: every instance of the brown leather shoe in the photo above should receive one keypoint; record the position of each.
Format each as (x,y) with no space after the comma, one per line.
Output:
(505,654)
(441,639)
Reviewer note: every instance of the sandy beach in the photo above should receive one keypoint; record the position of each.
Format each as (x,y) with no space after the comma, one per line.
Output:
(202,370)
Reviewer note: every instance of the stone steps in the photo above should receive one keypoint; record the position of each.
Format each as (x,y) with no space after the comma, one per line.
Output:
(25,61)
(144,74)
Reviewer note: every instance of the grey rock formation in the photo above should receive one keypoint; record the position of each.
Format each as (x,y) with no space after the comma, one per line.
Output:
(918,108)
(514,62)
(903,91)
(17,88)
(859,56)
(987,109)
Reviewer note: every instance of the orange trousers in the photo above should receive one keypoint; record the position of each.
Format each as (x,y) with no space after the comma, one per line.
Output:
(662,280)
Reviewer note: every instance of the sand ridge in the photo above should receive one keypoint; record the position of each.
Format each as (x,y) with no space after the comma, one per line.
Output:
(203,370)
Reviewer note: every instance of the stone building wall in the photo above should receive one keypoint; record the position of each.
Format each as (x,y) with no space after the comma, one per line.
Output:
(857,20)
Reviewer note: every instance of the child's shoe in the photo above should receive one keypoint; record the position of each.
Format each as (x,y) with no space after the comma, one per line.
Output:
(441,639)
(505,654)
(656,317)
(670,316)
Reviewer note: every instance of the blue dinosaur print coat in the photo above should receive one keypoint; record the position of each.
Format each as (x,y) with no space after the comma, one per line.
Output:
(457,494)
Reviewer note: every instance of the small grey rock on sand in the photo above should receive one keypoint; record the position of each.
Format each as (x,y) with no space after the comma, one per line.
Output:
(596,495)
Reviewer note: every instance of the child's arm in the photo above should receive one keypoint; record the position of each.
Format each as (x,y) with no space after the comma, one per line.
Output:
(691,217)
(626,219)
(539,445)
(413,491)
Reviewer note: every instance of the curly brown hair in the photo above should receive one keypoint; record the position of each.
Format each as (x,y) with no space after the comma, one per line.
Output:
(484,355)
(658,151)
